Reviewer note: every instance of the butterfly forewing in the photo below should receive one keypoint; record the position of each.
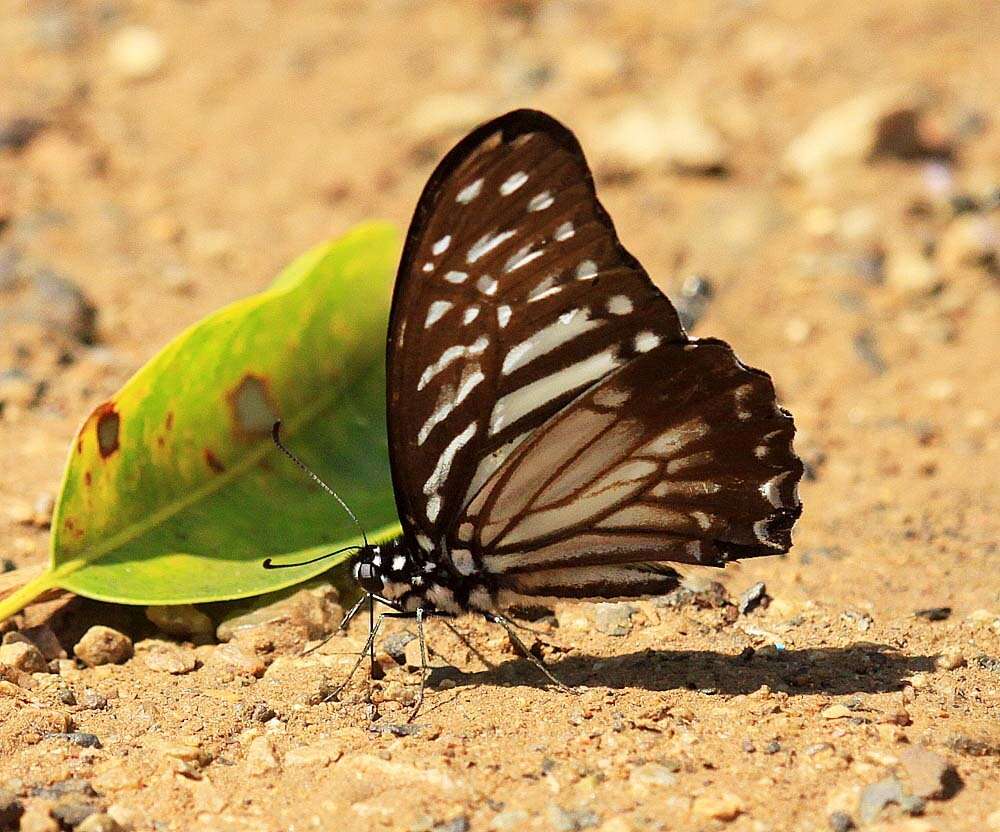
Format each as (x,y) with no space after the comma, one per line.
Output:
(513,297)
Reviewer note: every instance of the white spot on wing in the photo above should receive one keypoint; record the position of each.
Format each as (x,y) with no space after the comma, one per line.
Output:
(564,231)
(521,257)
(398,563)
(541,201)
(450,399)
(485,244)
(547,339)
(645,341)
(545,289)
(435,482)
(456,277)
(437,309)
(620,305)
(441,246)
(587,270)
(470,315)
(465,531)
(503,315)
(425,543)
(427,268)
(487,285)
(462,558)
(469,192)
(477,347)
(513,182)
(433,507)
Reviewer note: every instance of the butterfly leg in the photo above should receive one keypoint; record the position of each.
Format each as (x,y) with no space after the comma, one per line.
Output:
(335,694)
(343,626)
(423,666)
(496,618)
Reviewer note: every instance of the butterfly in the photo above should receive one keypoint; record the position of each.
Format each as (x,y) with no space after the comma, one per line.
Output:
(553,430)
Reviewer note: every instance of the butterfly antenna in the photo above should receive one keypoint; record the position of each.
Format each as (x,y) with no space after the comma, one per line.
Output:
(276,436)
(270,564)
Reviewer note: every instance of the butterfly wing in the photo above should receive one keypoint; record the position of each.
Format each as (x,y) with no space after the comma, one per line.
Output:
(681,455)
(514,295)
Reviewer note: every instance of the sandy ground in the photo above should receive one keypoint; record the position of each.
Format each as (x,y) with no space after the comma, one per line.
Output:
(168,169)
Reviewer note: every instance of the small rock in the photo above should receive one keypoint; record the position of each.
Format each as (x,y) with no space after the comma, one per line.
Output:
(934,613)
(974,746)
(80,738)
(136,53)
(880,123)
(45,640)
(929,774)
(163,657)
(755,596)
(909,272)
(877,796)
(513,820)
(262,712)
(11,809)
(57,304)
(725,807)
(17,133)
(640,139)
(92,700)
(314,611)
(71,813)
(394,645)
(458,824)
(912,805)
(38,818)
(260,757)
(236,658)
(102,645)
(412,658)
(183,621)
(571,820)
(99,822)
(969,240)
(316,756)
(837,711)
(614,619)
(841,822)
(649,777)
(23,656)
(951,659)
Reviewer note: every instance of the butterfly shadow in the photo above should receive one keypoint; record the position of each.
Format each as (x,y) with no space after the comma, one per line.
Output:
(858,668)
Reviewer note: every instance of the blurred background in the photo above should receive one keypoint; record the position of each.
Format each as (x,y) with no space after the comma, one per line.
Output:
(816,182)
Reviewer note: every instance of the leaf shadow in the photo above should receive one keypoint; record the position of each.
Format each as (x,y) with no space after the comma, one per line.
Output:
(858,668)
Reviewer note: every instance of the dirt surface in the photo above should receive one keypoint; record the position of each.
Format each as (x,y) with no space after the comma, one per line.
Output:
(161,158)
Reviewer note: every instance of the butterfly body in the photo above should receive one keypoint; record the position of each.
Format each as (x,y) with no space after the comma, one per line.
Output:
(553,430)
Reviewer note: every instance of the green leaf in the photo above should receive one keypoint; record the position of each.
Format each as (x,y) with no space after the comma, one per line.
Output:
(174,492)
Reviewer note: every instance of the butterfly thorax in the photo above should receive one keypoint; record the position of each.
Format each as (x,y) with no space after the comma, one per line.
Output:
(402,573)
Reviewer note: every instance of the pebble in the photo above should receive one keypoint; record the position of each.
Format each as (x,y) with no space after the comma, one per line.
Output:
(260,756)
(23,656)
(877,796)
(183,621)
(37,818)
(934,613)
(71,813)
(92,700)
(314,610)
(102,645)
(262,712)
(136,53)
(837,711)
(929,774)
(753,597)
(969,240)
(164,657)
(571,820)
(614,619)
(879,123)
(11,809)
(80,738)
(909,272)
(511,820)
(649,777)
(18,132)
(394,645)
(724,807)
(313,755)
(457,824)
(841,822)
(237,659)
(639,139)
(951,659)
(58,304)
(99,822)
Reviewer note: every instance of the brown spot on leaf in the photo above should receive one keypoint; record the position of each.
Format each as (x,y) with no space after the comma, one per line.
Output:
(169,423)
(79,445)
(253,410)
(108,423)
(87,478)
(214,462)
(160,441)
(69,523)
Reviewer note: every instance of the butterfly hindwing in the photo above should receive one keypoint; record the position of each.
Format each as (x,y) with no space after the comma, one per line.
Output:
(513,296)
(682,455)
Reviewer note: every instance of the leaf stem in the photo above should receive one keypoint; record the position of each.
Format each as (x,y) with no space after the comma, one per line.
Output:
(20,598)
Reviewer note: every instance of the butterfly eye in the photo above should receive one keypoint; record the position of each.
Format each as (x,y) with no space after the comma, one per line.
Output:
(366,572)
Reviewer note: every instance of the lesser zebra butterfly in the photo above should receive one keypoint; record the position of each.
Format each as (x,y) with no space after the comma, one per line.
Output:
(553,431)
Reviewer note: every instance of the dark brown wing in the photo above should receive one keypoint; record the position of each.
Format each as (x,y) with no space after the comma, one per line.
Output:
(513,296)
(682,455)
